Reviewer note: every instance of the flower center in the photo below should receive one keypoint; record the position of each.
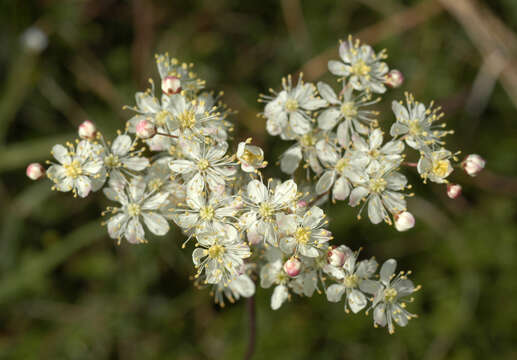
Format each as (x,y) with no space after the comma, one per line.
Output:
(348,109)
(155,184)
(216,251)
(307,140)
(73,169)
(340,165)
(351,281)
(441,167)
(390,294)
(378,185)
(374,153)
(414,127)
(291,105)
(133,209)
(187,119)
(112,161)
(203,164)
(265,211)
(249,157)
(161,118)
(206,213)
(360,68)
(302,235)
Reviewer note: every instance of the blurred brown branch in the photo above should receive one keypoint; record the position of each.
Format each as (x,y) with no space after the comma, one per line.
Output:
(494,40)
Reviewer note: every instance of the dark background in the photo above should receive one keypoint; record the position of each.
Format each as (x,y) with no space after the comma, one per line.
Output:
(68,292)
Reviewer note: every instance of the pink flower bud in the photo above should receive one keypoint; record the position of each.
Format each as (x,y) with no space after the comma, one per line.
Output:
(336,257)
(292,267)
(302,204)
(473,164)
(35,171)
(394,78)
(453,190)
(145,129)
(404,221)
(87,130)
(171,85)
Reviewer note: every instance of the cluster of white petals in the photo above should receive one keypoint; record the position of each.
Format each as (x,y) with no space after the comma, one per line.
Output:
(172,165)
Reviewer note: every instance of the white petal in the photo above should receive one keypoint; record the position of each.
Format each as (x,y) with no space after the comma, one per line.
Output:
(287,224)
(290,160)
(182,166)
(136,163)
(279,296)
(61,154)
(328,118)
(257,191)
(379,314)
(387,270)
(284,193)
(357,301)
(134,232)
(337,68)
(121,145)
(115,225)
(313,217)
(335,292)
(341,189)
(327,92)
(357,195)
(83,185)
(299,124)
(325,182)
(375,209)
(156,201)
(370,286)
(156,223)
(197,255)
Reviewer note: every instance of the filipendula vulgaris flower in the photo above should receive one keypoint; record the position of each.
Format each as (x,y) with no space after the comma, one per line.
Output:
(263,204)
(389,293)
(339,175)
(381,191)
(291,107)
(202,213)
(416,124)
(305,234)
(364,68)
(348,110)
(122,156)
(176,76)
(435,166)
(220,254)
(78,168)
(205,162)
(137,203)
(349,276)
(250,157)
(375,151)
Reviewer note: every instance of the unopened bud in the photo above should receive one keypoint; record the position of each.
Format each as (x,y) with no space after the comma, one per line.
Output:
(145,129)
(473,164)
(302,203)
(453,190)
(394,78)
(292,267)
(87,130)
(336,257)
(35,171)
(404,221)
(171,85)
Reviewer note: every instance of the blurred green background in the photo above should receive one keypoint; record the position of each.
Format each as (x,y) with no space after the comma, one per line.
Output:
(68,292)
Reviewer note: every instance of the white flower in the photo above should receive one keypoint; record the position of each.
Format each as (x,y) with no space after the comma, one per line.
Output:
(365,69)
(241,285)
(220,254)
(376,151)
(202,214)
(435,166)
(303,235)
(350,275)
(263,204)
(137,204)
(250,157)
(205,162)
(348,110)
(416,124)
(290,107)
(389,293)
(342,173)
(122,158)
(473,164)
(77,170)
(381,191)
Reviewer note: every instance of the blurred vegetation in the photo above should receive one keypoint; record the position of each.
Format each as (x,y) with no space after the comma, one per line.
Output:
(68,292)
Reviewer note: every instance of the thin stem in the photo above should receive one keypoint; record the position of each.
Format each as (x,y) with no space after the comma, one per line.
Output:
(410,164)
(250,306)
(168,135)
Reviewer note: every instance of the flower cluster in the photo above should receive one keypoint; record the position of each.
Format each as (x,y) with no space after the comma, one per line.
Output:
(173,165)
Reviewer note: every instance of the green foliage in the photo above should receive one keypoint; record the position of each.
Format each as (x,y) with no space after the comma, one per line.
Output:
(68,292)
